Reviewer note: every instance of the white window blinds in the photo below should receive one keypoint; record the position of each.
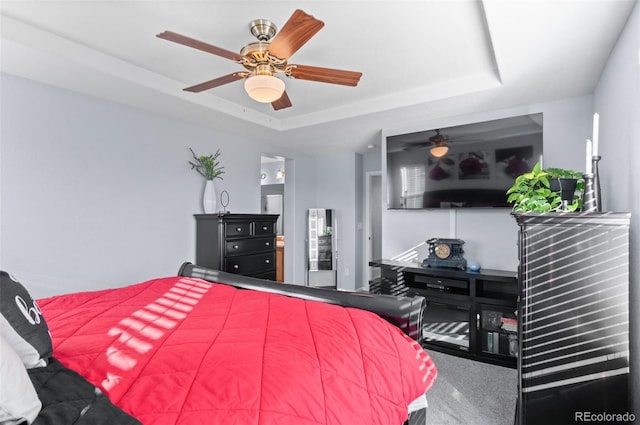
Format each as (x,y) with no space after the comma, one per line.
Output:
(413,185)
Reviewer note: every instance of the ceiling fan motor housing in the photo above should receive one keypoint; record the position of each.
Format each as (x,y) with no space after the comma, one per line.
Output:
(256,56)
(262,29)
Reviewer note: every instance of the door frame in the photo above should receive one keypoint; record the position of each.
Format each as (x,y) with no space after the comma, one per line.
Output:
(368,234)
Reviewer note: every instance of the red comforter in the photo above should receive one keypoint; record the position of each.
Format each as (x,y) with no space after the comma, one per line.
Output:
(183,351)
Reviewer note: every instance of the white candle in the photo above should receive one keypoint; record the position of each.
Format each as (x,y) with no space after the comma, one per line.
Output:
(596,129)
(587,168)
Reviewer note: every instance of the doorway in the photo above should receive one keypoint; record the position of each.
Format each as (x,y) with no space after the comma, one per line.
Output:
(272,179)
(373,223)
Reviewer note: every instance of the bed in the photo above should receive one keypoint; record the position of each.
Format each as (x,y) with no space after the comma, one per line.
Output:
(209,347)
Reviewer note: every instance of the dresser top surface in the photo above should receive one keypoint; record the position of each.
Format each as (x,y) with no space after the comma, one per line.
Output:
(235,216)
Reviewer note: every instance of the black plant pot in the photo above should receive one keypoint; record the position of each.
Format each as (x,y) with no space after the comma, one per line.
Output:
(566,187)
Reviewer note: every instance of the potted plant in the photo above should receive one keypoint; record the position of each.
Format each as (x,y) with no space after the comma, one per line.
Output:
(569,183)
(208,166)
(551,190)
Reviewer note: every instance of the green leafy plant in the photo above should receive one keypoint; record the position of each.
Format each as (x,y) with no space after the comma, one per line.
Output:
(556,173)
(532,191)
(207,166)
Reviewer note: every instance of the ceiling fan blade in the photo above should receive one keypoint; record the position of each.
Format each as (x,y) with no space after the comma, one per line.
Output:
(326,75)
(200,45)
(294,34)
(229,78)
(283,102)
(419,145)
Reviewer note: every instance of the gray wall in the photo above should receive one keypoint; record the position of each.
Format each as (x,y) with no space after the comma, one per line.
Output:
(337,187)
(617,100)
(97,194)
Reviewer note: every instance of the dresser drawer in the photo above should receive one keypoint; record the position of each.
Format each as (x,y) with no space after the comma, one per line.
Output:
(238,228)
(248,246)
(251,264)
(264,228)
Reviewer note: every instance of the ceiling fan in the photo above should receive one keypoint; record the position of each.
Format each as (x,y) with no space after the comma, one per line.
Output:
(438,143)
(269,56)
(439,146)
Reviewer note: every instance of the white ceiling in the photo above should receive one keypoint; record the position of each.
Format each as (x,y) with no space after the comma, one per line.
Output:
(421,60)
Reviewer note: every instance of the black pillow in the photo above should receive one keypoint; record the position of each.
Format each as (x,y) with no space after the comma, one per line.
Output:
(22,324)
(68,398)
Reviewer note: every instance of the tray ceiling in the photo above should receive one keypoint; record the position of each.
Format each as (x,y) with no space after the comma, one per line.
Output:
(421,60)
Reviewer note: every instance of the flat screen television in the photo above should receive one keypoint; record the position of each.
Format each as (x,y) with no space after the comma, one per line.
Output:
(482,159)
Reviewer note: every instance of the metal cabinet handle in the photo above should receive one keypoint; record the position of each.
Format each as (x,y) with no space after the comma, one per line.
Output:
(267,243)
(265,228)
(235,266)
(238,229)
(236,247)
(267,261)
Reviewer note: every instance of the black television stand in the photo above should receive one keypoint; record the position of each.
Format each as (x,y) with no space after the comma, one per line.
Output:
(468,314)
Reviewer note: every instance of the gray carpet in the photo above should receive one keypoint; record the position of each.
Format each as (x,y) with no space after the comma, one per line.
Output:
(468,392)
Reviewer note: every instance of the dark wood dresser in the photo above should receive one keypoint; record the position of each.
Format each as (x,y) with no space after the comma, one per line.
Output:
(573,363)
(237,243)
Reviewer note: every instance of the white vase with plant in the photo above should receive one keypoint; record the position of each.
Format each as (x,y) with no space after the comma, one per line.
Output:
(208,166)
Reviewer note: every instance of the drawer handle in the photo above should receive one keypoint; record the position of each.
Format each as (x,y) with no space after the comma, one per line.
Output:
(235,266)
(265,228)
(236,247)
(267,261)
(238,229)
(267,243)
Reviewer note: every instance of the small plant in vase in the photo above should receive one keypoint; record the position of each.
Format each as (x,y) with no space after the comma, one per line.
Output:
(208,166)
(551,190)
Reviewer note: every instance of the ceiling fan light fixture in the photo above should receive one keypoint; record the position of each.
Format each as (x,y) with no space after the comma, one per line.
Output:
(439,151)
(264,88)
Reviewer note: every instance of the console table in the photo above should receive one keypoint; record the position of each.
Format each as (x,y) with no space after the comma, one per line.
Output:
(468,314)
